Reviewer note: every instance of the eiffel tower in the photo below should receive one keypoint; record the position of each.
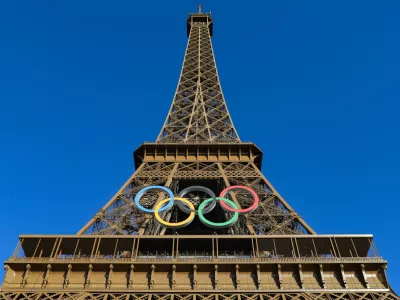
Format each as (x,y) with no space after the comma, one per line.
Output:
(246,244)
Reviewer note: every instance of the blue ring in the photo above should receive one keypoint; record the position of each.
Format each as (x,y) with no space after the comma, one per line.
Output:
(150,211)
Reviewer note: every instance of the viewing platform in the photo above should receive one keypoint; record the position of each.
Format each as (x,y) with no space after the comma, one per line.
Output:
(187,262)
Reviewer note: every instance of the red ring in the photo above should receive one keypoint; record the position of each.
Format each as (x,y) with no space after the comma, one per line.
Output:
(240,211)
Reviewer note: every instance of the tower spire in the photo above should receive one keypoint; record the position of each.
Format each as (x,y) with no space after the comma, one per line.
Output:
(198,113)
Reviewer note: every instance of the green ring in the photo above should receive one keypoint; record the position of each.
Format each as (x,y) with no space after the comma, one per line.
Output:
(213,224)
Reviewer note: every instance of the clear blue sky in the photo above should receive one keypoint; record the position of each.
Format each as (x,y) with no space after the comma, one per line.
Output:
(315,84)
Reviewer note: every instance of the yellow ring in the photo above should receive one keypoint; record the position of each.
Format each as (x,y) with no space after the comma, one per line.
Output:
(187,221)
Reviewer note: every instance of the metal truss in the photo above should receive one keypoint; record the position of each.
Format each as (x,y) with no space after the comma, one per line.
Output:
(198,116)
(63,295)
(273,216)
(198,112)
(120,215)
(197,145)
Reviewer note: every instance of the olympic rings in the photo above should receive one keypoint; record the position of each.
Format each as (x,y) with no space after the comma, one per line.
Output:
(185,222)
(227,208)
(208,223)
(149,211)
(205,207)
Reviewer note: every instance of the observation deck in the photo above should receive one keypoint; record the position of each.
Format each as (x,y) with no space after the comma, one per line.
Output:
(188,262)
(198,152)
(200,17)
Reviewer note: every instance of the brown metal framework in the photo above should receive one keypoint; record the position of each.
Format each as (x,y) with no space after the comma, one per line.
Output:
(198,112)
(122,253)
(213,296)
(193,262)
(198,142)
(173,165)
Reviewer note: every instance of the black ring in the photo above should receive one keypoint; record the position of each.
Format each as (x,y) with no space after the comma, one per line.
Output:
(207,209)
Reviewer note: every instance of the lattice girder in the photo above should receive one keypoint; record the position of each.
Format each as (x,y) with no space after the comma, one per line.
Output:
(198,112)
(216,296)
(121,216)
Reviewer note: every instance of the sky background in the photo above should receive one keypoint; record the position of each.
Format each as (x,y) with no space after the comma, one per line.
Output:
(315,84)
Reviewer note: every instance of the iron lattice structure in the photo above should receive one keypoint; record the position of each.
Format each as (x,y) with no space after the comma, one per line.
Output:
(198,112)
(120,215)
(198,115)
(122,253)
(262,296)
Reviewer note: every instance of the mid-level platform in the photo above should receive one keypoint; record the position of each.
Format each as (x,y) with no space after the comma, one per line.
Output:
(196,262)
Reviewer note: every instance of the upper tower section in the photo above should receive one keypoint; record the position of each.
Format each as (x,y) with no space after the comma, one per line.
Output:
(198,113)
(200,17)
